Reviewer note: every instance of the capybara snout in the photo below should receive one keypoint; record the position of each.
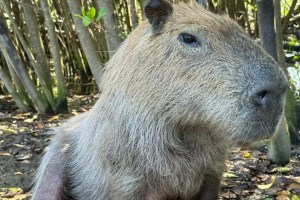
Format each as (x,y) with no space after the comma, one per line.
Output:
(265,99)
(268,89)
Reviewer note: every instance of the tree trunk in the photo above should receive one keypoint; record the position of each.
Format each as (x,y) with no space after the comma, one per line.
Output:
(247,20)
(38,69)
(279,39)
(143,4)
(280,144)
(230,6)
(265,14)
(288,16)
(75,55)
(12,57)
(87,44)
(36,44)
(133,14)
(221,7)
(19,85)
(112,32)
(22,105)
(61,104)
(202,2)
(241,13)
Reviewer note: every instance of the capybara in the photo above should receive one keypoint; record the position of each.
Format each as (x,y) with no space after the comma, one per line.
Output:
(185,86)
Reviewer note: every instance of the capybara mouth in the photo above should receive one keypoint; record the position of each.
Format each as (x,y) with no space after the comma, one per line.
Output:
(258,129)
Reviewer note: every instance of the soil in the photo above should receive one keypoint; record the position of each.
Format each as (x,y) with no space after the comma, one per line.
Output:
(24,137)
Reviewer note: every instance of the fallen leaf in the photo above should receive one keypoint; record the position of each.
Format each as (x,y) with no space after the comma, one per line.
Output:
(247,155)
(282,197)
(10,130)
(4,154)
(267,186)
(55,117)
(229,195)
(284,193)
(19,145)
(22,116)
(39,125)
(22,130)
(30,120)
(294,186)
(229,175)
(295,197)
(281,169)
(297,179)
(8,195)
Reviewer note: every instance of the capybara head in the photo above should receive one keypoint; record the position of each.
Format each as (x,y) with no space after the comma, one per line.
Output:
(191,69)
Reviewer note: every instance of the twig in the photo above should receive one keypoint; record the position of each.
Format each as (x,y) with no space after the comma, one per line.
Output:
(25,4)
(288,16)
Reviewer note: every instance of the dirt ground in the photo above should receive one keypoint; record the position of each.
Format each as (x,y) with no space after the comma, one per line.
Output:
(23,139)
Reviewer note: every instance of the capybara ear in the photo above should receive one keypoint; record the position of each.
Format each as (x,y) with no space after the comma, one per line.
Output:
(157,12)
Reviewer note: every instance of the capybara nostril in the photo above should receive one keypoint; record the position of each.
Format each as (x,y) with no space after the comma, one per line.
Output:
(262,94)
(262,99)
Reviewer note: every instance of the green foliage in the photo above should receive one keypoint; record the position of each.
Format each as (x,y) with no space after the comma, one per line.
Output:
(91,13)
(101,14)
(251,6)
(286,5)
(269,198)
(292,41)
(89,16)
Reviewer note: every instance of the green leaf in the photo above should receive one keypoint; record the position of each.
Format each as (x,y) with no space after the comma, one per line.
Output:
(79,16)
(83,11)
(268,198)
(295,197)
(91,13)
(86,21)
(101,13)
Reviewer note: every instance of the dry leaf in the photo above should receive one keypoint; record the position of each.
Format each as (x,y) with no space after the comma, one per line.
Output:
(55,117)
(229,175)
(297,179)
(30,120)
(281,169)
(10,130)
(4,154)
(294,186)
(282,197)
(267,186)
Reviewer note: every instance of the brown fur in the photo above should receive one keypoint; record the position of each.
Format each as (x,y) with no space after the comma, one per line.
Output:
(168,113)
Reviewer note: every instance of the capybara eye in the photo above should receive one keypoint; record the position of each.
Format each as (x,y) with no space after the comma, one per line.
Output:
(188,39)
